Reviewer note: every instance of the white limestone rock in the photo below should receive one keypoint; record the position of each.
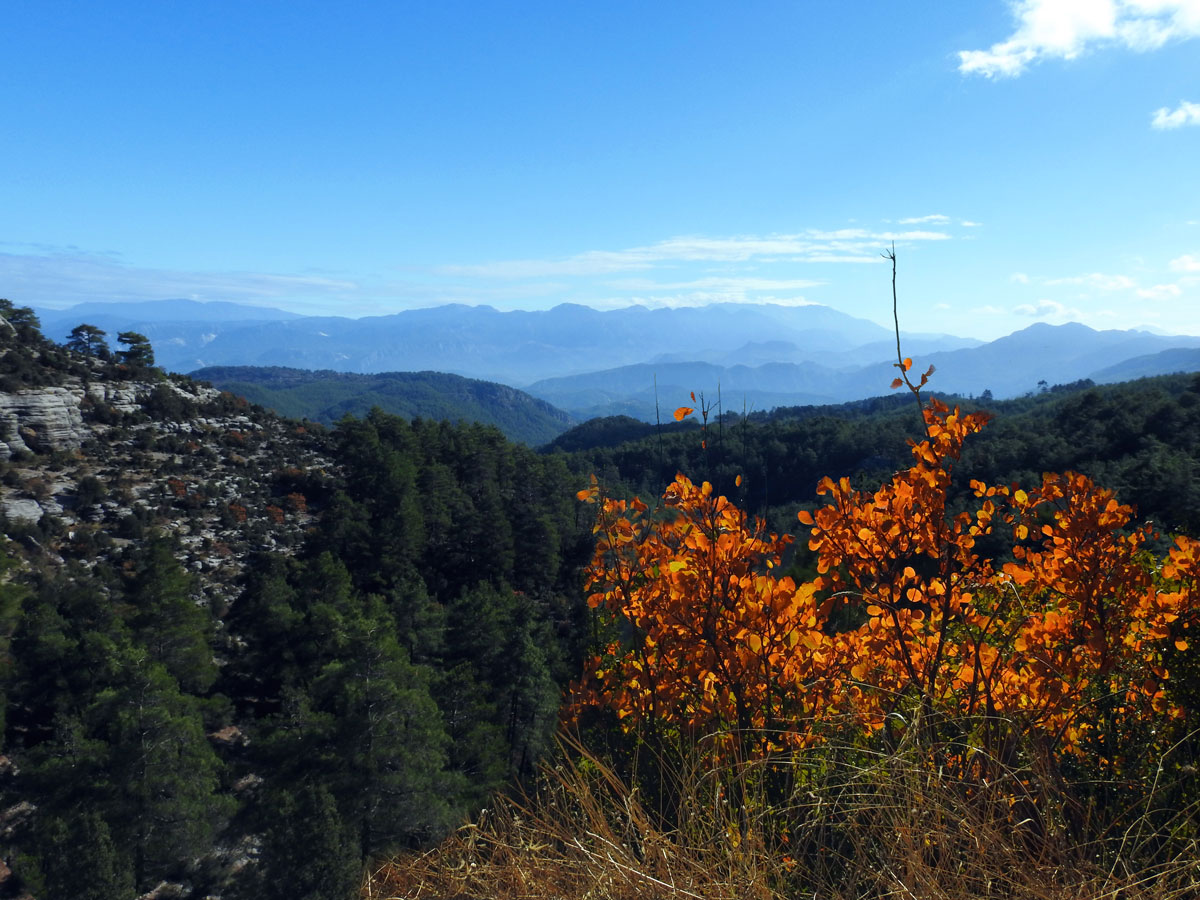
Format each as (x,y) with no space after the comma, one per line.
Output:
(41,420)
(21,509)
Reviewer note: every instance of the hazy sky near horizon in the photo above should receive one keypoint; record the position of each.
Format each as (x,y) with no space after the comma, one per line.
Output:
(1032,161)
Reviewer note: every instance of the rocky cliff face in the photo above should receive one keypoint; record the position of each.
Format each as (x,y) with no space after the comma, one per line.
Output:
(90,464)
(41,420)
(45,419)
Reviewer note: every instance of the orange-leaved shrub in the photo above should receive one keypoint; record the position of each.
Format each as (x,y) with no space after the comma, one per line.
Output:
(1061,639)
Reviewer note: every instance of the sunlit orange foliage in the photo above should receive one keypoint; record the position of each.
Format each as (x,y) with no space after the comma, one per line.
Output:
(721,639)
(1065,640)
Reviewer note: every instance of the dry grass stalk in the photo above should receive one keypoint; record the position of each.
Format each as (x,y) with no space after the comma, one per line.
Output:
(854,826)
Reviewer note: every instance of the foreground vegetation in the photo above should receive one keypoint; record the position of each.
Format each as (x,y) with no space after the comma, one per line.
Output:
(930,715)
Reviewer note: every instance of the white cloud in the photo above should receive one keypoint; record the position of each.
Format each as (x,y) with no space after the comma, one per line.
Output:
(1019,278)
(64,277)
(594,262)
(1184,114)
(967,223)
(1160,292)
(935,219)
(819,258)
(696,298)
(1186,263)
(1099,281)
(1065,29)
(683,270)
(814,245)
(68,277)
(1047,309)
(732,285)
(715,289)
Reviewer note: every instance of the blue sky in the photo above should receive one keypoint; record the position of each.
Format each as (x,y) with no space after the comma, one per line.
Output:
(1037,161)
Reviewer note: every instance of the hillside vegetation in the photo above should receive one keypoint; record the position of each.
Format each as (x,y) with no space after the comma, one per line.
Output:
(244,656)
(327,396)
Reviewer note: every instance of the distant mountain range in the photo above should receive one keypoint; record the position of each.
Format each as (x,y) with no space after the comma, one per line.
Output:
(590,362)
(1007,367)
(514,348)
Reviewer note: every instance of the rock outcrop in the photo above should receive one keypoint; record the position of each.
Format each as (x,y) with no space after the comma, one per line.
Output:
(41,420)
(121,397)
(168,456)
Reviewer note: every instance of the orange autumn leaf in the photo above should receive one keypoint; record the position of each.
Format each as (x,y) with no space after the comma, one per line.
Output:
(683,412)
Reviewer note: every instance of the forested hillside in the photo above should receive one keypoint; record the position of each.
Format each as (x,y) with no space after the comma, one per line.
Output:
(327,396)
(245,657)
(245,693)
(1141,438)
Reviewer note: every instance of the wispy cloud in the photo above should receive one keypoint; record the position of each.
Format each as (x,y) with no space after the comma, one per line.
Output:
(1066,29)
(1048,309)
(1098,281)
(692,298)
(733,284)
(1184,114)
(1160,292)
(1102,282)
(935,219)
(967,223)
(813,245)
(1019,278)
(596,262)
(687,270)
(67,277)
(64,277)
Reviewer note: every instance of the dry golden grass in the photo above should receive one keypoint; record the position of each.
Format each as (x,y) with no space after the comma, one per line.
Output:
(853,826)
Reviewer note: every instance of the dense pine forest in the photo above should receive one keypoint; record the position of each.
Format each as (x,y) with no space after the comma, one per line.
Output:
(393,611)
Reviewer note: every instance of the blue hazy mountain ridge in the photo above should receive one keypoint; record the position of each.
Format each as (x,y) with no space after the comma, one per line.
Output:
(164,311)
(1010,366)
(593,362)
(516,347)
(1177,359)
(1056,354)
(756,353)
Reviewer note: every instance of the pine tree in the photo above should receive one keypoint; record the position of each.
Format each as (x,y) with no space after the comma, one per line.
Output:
(167,619)
(387,745)
(138,354)
(88,340)
(163,778)
(308,852)
(80,860)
